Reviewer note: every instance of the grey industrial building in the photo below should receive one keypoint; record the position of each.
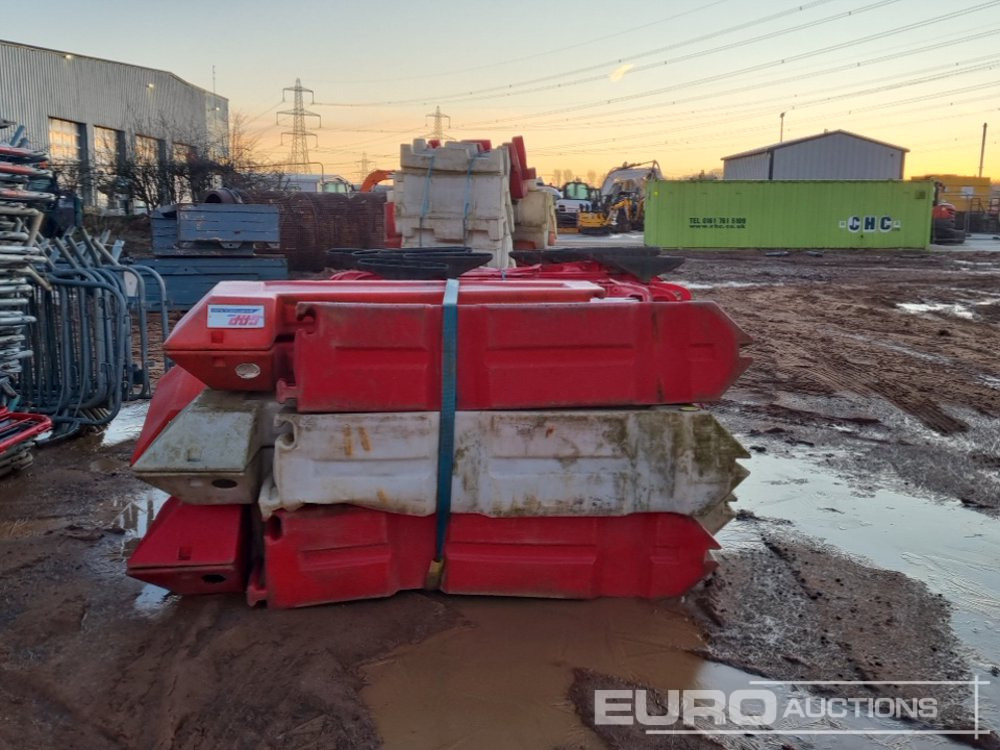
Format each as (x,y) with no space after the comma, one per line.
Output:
(94,112)
(834,155)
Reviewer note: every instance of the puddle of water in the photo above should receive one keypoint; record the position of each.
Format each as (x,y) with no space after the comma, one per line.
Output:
(127,425)
(724,284)
(136,512)
(901,348)
(152,600)
(959,311)
(950,548)
(501,679)
(947,546)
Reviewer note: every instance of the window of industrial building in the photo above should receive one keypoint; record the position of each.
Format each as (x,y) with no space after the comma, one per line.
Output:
(149,182)
(66,141)
(108,154)
(182,156)
(107,148)
(147,150)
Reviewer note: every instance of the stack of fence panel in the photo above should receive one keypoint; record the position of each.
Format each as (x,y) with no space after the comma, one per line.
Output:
(20,255)
(91,318)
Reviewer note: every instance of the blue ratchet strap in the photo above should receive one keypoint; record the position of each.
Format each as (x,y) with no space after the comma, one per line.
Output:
(449,399)
(426,205)
(468,198)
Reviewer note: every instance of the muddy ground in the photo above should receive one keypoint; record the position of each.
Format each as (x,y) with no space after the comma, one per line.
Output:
(882,366)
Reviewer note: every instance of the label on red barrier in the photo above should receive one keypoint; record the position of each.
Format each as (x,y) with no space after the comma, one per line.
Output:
(235,316)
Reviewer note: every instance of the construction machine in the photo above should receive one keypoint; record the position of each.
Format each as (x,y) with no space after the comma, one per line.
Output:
(577,197)
(944,219)
(622,203)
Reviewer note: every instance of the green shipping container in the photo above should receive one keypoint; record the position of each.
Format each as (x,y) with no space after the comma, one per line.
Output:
(789,214)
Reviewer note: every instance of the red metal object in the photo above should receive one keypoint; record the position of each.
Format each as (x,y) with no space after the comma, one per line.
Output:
(362,357)
(333,554)
(175,390)
(194,549)
(645,554)
(19,169)
(319,555)
(18,427)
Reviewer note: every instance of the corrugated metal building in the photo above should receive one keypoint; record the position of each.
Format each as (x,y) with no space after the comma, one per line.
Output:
(836,155)
(98,112)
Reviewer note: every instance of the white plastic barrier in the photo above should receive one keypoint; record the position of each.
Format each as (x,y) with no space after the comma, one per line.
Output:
(455,195)
(214,450)
(509,463)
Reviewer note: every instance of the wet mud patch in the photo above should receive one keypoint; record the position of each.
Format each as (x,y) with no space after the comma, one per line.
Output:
(798,610)
(209,672)
(91,659)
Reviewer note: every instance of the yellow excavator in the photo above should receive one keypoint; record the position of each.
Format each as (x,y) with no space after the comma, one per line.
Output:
(622,205)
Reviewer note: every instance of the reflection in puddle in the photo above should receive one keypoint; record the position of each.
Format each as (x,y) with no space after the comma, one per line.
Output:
(952,549)
(959,311)
(136,513)
(127,425)
(153,600)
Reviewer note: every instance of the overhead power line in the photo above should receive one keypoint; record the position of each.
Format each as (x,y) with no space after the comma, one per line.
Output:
(701,8)
(742,71)
(507,88)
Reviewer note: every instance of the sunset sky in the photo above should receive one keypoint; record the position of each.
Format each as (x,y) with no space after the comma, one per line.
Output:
(588,84)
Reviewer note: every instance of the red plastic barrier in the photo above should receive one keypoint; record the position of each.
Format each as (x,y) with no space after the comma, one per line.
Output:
(358,357)
(517,166)
(614,284)
(517,144)
(645,554)
(333,554)
(175,390)
(319,555)
(17,427)
(541,348)
(392,236)
(212,348)
(194,549)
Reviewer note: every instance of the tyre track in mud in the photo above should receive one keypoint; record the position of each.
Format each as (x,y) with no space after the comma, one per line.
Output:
(815,335)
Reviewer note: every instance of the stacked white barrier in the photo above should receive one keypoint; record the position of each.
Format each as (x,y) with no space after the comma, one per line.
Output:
(459,194)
